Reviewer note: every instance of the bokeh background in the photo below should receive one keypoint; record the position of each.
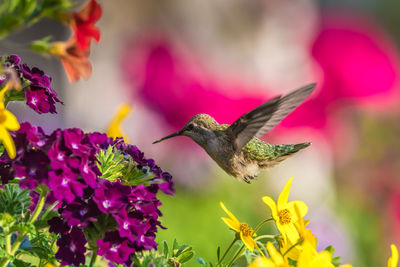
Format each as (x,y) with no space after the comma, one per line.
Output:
(173,59)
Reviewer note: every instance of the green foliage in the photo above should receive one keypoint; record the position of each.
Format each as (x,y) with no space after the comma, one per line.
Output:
(335,260)
(19,233)
(42,46)
(174,256)
(17,13)
(113,165)
(13,200)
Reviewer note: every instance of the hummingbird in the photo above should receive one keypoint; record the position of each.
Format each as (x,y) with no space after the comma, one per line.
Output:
(237,148)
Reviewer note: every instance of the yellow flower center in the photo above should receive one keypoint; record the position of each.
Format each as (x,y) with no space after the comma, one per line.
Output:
(284,216)
(3,117)
(245,229)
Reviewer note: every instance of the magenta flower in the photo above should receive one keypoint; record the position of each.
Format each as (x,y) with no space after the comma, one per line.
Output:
(166,82)
(114,248)
(65,185)
(359,66)
(66,161)
(111,197)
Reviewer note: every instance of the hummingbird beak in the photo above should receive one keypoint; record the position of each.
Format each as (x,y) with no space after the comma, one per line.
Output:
(168,136)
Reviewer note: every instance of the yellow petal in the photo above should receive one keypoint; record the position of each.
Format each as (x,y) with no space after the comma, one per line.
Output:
(228,212)
(394,259)
(274,254)
(323,259)
(306,256)
(232,224)
(262,262)
(303,209)
(11,122)
(248,241)
(288,232)
(283,197)
(114,129)
(271,204)
(8,142)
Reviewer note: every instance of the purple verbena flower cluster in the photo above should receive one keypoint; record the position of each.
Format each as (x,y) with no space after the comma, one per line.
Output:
(38,94)
(66,162)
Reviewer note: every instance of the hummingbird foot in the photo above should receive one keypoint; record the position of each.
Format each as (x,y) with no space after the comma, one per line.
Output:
(248,178)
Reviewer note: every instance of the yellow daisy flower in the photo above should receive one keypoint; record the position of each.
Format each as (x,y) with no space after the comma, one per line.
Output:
(275,260)
(114,129)
(284,213)
(309,257)
(394,259)
(8,122)
(246,233)
(262,262)
(304,234)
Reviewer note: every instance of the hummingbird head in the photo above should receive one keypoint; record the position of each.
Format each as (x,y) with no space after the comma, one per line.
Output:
(199,128)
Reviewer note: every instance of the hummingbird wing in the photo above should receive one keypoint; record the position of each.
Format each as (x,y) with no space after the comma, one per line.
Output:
(265,117)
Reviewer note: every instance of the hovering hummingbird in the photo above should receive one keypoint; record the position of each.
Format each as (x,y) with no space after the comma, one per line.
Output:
(237,148)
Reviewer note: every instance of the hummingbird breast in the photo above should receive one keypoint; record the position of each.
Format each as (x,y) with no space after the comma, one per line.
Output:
(235,163)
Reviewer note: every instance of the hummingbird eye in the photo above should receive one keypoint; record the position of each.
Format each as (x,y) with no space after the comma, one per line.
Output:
(190,127)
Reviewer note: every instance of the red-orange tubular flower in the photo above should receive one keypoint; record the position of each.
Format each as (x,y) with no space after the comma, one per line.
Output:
(82,24)
(75,60)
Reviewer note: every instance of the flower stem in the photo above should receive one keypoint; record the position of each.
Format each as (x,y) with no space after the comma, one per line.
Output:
(236,256)
(93,258)
(261,224)
(8,243)
(264,236)
(227,250)
(39,206)
(293,246)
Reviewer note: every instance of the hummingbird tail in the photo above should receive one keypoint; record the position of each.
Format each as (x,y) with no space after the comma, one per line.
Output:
(283,152)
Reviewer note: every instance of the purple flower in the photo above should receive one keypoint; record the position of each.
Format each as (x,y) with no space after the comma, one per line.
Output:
(65,185)
(80,213)
(111,197)
(115,248)
(39,94)
(58,226)
(58,157)
(66,161)
(129,226)
(13,60)
(33,167)
(88,173)
(73,138)
(72,247)
(38,101)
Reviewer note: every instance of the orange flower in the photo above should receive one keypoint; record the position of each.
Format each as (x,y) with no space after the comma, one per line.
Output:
(82,24)
(75,61)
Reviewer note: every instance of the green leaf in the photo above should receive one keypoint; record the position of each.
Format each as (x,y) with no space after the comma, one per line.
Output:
(42,46)
(184,257)
(166,249)
(330,249)
(175,245)
(20,263)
